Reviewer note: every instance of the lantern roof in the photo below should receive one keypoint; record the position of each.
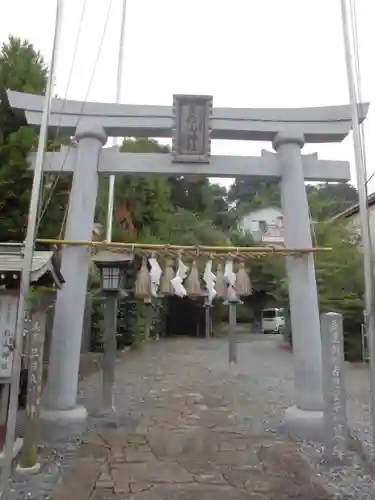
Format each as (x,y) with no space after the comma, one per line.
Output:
(106,257)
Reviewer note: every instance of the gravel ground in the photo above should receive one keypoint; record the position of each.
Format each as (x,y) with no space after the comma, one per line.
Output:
(262,386)
(259,388)
(60,443)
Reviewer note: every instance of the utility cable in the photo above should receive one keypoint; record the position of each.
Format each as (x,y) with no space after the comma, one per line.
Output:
(43,203)
(358,91)
(354,25)
(84,102)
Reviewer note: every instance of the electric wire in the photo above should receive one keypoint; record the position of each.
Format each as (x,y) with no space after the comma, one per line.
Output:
(354,24)
(355,43)
(355,46)
(357,70)
(72,64)
(81,110)
(84,102)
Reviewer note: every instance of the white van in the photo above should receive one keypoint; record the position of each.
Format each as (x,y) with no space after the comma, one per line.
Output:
(272,320)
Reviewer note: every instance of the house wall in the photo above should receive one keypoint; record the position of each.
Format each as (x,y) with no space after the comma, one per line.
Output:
(269,215)
(269,220)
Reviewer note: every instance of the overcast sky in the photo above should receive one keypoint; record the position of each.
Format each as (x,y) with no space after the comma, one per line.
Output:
(246,53)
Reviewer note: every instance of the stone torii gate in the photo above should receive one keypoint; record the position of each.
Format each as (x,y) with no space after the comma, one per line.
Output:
(191,122)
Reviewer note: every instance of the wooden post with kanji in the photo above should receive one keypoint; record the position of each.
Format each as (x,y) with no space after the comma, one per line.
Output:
(45,278)
(35,351)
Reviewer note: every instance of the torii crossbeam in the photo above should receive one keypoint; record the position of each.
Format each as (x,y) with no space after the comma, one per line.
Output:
(319,125)
(266,165)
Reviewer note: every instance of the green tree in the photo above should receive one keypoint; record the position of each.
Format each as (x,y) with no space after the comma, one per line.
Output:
(23,69)
(218,208)
(339,278)
(250,193)
(204,198)
(186,228)
(146,199)
(166,209)
(326,199)
(329,199)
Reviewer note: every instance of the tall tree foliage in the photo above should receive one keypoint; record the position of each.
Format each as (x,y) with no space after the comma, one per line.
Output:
(204,198)
(166,208)
(250,193)
(22,68)
(328,199)
(339,273)
(144,199)
(339,278)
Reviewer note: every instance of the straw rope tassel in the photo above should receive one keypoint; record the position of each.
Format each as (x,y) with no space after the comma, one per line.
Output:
(143,281)
(166,287)
(193,284)
(243,283)
(220,285)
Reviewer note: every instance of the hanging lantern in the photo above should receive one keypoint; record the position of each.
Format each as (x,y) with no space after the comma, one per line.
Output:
(243,284)
(143,281)
(220,285)
(166,287)
(193,284)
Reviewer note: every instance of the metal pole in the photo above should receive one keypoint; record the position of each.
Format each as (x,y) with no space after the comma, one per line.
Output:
(232,332)
(208,321)
(109,355)
(362,195)
(148,316)
(27,262)
(120,62)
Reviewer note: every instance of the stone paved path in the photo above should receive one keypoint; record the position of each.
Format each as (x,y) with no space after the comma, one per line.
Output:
(199,436)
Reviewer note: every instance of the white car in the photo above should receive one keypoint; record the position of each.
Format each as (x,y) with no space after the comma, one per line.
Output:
(272,320)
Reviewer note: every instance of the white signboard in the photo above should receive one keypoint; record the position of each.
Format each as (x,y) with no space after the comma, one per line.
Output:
(8,317)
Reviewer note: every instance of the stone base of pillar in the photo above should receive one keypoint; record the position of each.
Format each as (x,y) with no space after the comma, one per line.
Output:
(304,425)
(28,470)
(73,415)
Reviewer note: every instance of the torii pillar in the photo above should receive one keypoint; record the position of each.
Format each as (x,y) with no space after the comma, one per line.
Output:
(305,419)
(59,402)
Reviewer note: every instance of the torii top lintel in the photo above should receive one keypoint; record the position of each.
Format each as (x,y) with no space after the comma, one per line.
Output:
(318,124)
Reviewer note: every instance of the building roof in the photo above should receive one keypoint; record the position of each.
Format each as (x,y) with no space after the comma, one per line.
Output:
(354,209)
(11,262)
